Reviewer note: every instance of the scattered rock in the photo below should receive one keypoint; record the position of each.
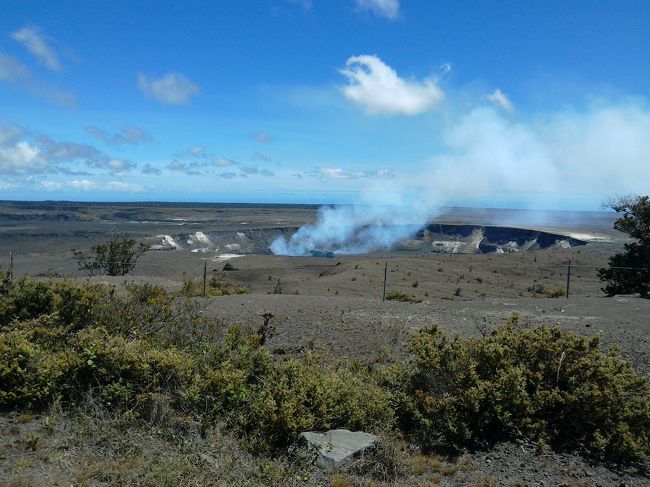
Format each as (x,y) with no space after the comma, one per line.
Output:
(337,447)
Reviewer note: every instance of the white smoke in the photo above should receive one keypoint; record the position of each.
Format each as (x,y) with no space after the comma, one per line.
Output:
(352,230)
(563,158)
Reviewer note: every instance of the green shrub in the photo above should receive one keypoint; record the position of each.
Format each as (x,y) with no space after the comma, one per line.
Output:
(272,402)
(144,352)
(299,396)
(403,297)
(32,375)
(24,299)
(543,383)
(117,257)
(629,272)
(77,306)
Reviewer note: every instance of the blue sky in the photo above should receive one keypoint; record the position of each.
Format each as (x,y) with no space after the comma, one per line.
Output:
(538,104)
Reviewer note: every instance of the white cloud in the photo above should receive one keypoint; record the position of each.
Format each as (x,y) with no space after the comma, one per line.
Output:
(21,158)
(87,185)
(338,173)
(384,8)
(51,185)
(37,44)
(122,187)
(172,88)
(376,86)
(23,152)
(266,172)
(82,184)
(501,100)
(116,165)
(128,135)
(228,175)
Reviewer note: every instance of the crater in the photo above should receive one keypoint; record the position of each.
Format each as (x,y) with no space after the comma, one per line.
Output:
(432,238)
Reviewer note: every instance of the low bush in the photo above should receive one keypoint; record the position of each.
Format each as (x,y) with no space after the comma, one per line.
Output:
(24,299)
(403,297)
(299,396)
(544,384)
(33,374)
(556,292)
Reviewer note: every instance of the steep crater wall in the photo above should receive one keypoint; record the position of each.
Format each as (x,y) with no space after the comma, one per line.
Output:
(436,238)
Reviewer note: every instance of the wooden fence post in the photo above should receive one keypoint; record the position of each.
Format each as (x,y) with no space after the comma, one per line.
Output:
(205,274)
(383,296)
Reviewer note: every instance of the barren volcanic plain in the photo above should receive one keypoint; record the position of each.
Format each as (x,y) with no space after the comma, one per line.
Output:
(334,305)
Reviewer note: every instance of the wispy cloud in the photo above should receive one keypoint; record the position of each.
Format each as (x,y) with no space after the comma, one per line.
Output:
(261,137)
(122,187)
(9,134)
(222,161)
(127,135)
(248,169)
(501,100)
(82,184)
(57,151)
(151,169)
(88,185)
(339,173)
(305,4)
(112,165)
(189,168)
(383,8)
(172,88)
(15,73)
(25,153)
(197,151)
(12,70)
(376,87)
(258,156)
(39,45)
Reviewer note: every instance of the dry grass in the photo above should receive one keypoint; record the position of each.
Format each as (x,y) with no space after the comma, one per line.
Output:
(90,448)
(338,480)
